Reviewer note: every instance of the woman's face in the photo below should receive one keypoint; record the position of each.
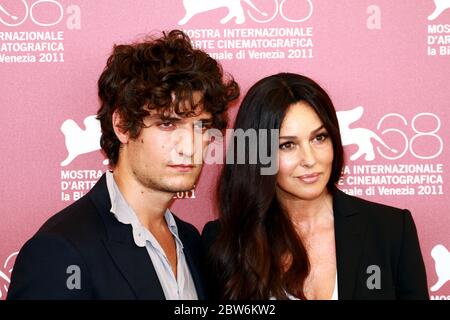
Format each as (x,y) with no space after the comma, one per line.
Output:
(305,154)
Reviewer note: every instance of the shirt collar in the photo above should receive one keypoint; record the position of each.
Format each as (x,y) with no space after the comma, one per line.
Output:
(126,215)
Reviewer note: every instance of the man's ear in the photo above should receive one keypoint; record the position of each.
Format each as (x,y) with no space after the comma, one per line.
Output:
(117,126)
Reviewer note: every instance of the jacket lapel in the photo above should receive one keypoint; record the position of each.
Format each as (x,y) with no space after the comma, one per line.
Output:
(191,259)
(133,262)
(350,231)
(137,268)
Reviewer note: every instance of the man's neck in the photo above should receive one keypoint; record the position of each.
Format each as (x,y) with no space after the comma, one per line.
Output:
(148,204)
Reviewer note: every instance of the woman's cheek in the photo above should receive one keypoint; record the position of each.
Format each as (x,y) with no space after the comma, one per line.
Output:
(287,164)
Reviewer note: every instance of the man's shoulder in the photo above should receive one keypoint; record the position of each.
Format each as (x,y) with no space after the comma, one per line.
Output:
(67,239)
(80,220)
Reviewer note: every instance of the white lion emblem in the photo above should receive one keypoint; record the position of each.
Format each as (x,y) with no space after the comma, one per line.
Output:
(79,141)
(6,272)
(362,137)
(440,6)
(235,9)
(441,258)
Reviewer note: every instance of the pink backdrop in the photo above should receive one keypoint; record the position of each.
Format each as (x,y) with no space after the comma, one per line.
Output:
(385,64)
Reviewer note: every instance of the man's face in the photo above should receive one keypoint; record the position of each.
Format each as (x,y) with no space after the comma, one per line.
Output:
(162,156)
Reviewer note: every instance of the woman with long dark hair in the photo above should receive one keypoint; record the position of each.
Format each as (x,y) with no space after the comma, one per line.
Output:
(293,234)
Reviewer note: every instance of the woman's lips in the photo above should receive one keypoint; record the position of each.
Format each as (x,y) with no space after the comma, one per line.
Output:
(309,178)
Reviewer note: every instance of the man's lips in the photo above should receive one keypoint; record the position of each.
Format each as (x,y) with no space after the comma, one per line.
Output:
(182,167)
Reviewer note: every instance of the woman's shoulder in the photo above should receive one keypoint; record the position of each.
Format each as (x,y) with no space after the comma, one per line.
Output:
(384,226)
(385,214)
(210,231)
(212,226)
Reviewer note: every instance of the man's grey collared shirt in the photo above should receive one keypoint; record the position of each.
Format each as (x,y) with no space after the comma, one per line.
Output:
(182,286)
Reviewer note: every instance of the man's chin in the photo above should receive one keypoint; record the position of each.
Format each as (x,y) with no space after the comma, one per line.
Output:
(180,187)
(177,183)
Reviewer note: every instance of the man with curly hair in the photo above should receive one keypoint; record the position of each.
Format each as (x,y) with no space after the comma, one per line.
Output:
(120,241)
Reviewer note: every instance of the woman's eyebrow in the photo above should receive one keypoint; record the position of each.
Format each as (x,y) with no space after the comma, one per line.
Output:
(288,137)
(318,129)
(312,133)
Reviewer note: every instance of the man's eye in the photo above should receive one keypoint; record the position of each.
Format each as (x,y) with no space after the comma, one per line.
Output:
(166,124)
(203,125)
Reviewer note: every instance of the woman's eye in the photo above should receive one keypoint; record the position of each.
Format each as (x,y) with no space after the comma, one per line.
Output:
(286,146)
(321,137)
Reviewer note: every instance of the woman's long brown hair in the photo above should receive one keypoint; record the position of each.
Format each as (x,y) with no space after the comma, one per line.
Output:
(258,253)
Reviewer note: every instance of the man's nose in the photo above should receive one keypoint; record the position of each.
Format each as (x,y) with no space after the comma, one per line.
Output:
(185,142)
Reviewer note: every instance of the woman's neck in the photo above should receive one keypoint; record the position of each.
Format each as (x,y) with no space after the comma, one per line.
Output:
(306,215)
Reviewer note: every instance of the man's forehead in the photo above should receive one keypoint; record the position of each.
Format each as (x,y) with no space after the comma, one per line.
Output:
(197,96)
(170,113)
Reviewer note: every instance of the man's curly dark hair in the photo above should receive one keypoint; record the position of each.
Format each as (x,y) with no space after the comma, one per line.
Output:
(159,74)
